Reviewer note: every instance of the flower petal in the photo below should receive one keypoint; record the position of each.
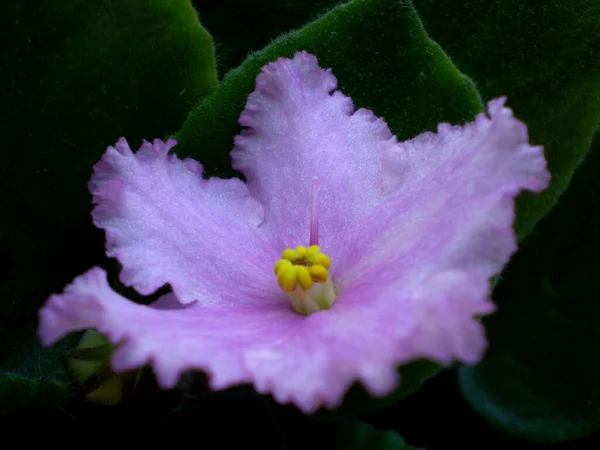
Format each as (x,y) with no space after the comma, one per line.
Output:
(300,127)
(428,251)
(310,361)
(166,224)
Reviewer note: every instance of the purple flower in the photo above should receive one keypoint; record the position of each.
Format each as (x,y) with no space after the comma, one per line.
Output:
(397,267)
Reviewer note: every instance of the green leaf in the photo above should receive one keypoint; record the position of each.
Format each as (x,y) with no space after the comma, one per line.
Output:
(260,422)
(545,57)
(20,393)
(539,379)
(31,360)
(301,432)
(77,75)
(382,58)
(257,21)
(34,378)
(358,401)
(359,436)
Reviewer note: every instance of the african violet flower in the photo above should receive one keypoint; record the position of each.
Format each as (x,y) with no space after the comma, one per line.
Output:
(344,255)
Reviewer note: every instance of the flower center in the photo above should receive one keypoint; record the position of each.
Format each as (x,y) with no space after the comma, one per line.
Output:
(302,272)
(303,275)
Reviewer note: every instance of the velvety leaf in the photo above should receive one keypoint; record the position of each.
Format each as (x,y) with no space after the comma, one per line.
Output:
(33,378)
(261,422)
(358,401)
(383,59)
(241,27)
(545,56)
(539,379)
(75,76)
(29,359)
(342,435)
(358,435)
(18,392)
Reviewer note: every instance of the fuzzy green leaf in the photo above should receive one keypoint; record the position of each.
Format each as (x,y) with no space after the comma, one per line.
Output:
(545,57)
(77,75)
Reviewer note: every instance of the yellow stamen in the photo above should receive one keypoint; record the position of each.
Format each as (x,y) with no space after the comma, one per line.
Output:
(313,251)
(302,272)
(301,267)
(301,251)
(321,260)
(287,277)
(290,254)
(281,264)
(318,273)
(304,277)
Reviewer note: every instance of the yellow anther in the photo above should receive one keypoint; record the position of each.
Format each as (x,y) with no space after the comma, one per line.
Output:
(304,277)
(287,278)
(318,273)
(312,251)
(301,268)
(301,251)
(281,264)
(321,260)
(290,254)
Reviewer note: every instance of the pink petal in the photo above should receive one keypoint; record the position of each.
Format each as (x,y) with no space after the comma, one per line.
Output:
(300,127)
(426,253)
(310,361)
(166,224)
